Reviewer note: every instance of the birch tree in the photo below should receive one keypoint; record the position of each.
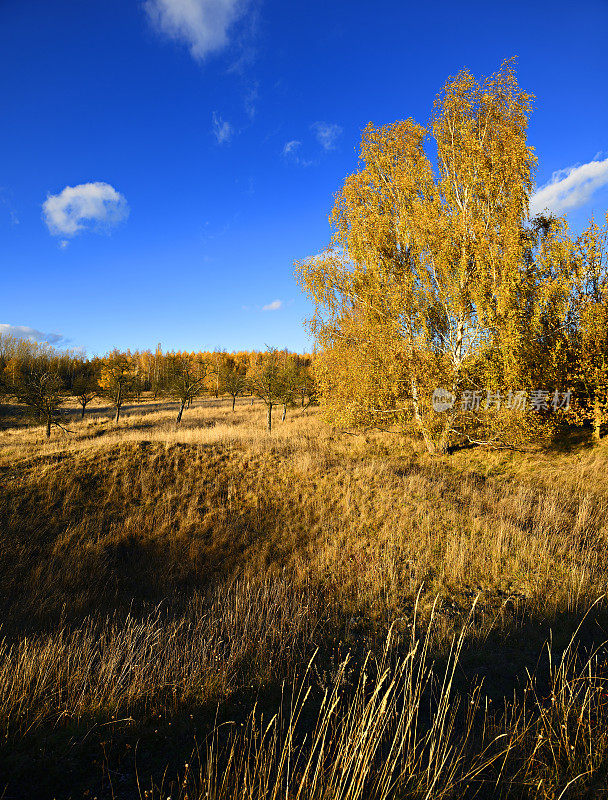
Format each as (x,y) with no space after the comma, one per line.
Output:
(424,264)
(590,330)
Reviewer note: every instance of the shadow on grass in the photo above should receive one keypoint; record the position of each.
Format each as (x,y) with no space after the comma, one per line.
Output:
(107,757)
(572,439)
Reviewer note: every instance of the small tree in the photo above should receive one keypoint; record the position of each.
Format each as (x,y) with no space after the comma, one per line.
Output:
(265,380)
(232,380)
(186,381)
(305,383)
(116,380)
(85,386)
(288,385)
(38,386)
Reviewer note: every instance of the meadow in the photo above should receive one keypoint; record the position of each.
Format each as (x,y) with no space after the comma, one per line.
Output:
(213,611)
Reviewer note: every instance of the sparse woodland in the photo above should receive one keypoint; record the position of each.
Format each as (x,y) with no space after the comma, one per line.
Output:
(273,576)
(44,381)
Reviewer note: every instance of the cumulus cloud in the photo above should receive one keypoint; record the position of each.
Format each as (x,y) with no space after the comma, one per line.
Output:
(327,134)
(222,129)
(570,188)
(25,332)
(94,207)
(203,25)
(274,306)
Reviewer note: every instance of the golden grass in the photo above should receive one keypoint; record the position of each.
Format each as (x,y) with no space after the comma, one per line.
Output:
(377,740)
(149,569)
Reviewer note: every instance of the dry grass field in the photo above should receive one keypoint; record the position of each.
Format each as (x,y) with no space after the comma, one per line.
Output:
(216,612)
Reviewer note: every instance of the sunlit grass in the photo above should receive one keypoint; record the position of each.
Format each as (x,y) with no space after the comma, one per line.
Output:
(153,569)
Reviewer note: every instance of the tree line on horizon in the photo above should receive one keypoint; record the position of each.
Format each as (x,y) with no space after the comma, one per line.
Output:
(438,279)
(43,378)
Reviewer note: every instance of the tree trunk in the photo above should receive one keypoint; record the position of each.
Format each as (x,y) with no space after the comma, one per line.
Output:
(181,411)
(48,427)
(233,402)
(83,407)
(430,444)
(444,441)
(597,420)
(251,399)
(269,423)
(118,404)
(284,412)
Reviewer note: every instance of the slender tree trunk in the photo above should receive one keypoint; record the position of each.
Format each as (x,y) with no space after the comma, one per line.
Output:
(269,423)
(48,427)
(251,399)
(597,420)
(284,412)
(430,445)
(444,441)
(83,407)
(118,403)
(233,402)
(181,411)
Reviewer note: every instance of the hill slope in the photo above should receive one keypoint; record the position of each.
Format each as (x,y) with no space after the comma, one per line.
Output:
(151,571)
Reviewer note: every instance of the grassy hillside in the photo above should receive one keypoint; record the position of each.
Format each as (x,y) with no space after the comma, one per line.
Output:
(165,593)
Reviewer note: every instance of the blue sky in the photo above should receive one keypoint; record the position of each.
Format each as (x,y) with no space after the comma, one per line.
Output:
(204,139)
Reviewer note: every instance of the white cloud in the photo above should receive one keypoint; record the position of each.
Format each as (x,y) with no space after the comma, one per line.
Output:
(291,152)
(89,206)
(327,134)
(201,24)
(222,129)
(570,188)
(274,306)
(330,252)
(25,332)
(291,147)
